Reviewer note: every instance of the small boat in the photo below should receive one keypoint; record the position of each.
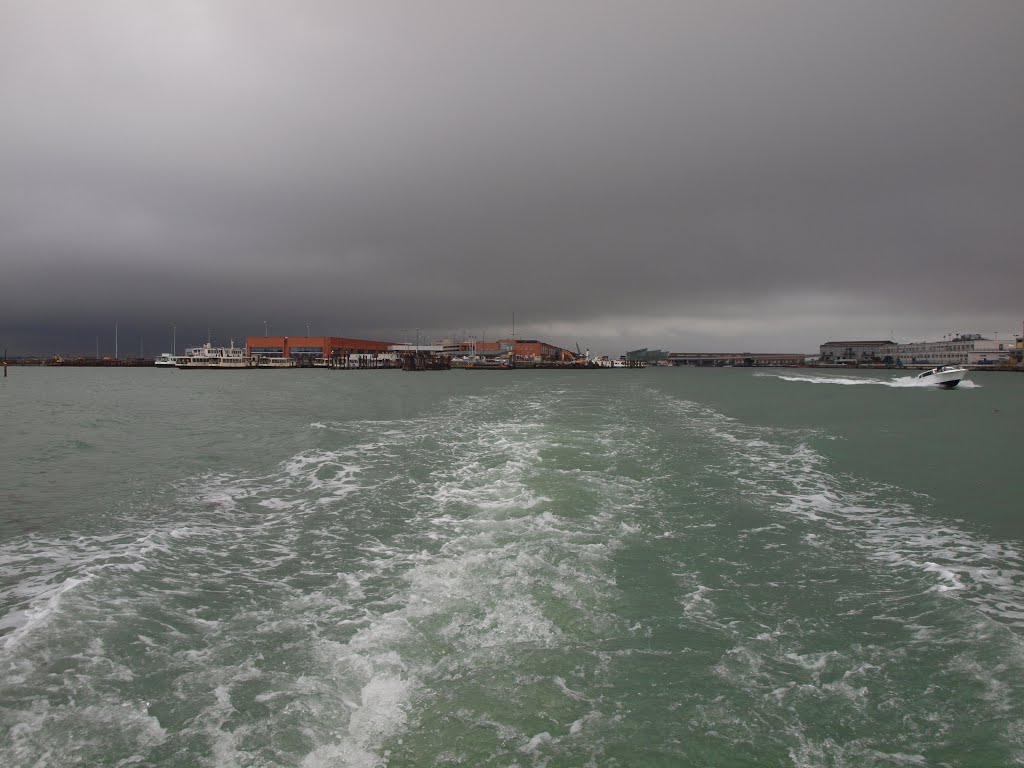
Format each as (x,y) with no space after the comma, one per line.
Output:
(166,360)
(486,364)
(215,358)
(947,376)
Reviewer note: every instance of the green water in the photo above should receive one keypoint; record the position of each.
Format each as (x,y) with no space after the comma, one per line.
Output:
(660,567)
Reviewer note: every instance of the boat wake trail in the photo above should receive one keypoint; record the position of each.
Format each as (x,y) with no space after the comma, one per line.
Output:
(598,575)
(780,471)
(901,382)
(318,614)
(844,596)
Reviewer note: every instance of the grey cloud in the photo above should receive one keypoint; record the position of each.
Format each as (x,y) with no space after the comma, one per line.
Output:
(731,174)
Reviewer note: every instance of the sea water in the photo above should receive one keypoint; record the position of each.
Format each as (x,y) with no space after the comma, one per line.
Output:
(660,567)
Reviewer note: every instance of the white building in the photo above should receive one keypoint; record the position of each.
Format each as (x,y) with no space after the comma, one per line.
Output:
(966,349)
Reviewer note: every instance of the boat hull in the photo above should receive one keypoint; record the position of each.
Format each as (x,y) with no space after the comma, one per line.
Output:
(947,379)
(215,367)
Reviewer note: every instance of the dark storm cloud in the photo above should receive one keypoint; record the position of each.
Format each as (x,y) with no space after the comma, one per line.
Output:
(755,175)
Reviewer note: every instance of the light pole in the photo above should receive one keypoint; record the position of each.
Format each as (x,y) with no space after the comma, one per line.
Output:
(417,339)
(174,340)
(115,338)
(307,330)
(266,328)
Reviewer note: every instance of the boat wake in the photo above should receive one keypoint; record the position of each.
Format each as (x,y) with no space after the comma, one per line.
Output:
(900,382)
(566,575)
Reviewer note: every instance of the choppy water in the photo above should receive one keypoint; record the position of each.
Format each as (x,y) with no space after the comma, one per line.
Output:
(531,568)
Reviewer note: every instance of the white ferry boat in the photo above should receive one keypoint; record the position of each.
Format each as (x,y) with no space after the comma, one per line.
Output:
(211,357)
(261,361)
(166,360)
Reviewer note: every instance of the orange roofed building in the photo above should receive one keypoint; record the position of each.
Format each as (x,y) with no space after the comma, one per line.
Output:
(312,346)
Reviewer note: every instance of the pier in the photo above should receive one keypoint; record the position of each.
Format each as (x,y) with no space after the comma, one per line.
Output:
(83,362)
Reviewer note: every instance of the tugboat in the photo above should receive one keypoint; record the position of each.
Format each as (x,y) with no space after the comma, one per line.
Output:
(946,376)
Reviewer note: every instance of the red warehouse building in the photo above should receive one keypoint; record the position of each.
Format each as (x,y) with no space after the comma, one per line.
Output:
(312,346)
(523,350)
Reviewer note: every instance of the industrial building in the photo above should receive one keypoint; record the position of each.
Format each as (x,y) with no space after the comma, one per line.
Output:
(309,348)
(736,359)
(646,356)
(965,349)
(714,359)
(853,352)
(523,351)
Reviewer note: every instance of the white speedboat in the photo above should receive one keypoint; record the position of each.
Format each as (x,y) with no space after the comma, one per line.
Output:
(211,357)
(166,360)
(947,376)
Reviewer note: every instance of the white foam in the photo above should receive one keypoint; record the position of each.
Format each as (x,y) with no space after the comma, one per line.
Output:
(577,727)
(947,575)
(900,382)
(564,688)
(125,724)
(39,613)
(842,380)
(476,590)
(534,744)
(792,478)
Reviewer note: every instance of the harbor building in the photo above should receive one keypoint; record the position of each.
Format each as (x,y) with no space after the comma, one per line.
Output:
(852,352)
(736,359)
(365,353)
(522,351)
(310,348)
(646,356)
(965,349)
(715,359)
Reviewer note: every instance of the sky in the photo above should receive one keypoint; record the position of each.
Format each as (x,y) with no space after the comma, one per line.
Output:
(690,176)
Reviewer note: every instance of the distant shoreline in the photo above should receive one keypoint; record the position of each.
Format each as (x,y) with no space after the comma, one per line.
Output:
(35,362)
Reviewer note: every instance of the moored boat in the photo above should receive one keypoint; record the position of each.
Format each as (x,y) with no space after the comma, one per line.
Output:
(486,364)
(166,360)
(215,358)
(261,361)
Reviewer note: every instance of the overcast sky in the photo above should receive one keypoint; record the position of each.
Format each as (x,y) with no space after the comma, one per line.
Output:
(694,176)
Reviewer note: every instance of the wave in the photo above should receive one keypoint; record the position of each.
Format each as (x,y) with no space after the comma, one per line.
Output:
(834,593)
(565,575)
(781,470)
(384,564)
